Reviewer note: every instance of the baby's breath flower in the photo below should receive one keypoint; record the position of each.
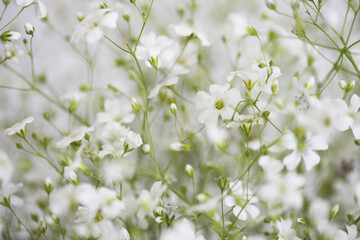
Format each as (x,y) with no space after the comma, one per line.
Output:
(18,127)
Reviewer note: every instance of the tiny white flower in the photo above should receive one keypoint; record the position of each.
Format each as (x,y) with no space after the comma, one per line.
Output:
(285,230)
(241,201)
(29,29)
(133,140)
(185,30)
(76,135)
(18,126)
(116,110)
(182,230)
(220,102)
(91,26)
(12,51)
(40,8)
(305,149)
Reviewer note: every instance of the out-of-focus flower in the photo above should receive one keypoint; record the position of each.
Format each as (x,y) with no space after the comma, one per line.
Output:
(75,135)
(116,110)
(91,26)
(17,127)
(185,30)
(182,230)
(350,235)
(12,51)
(40,8)
(285,230)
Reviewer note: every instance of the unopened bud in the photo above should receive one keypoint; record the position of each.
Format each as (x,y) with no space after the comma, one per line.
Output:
(351,86)
(275,86)
(334,211)
(10,36)
(103,5)
(145,148)
(29,29)
(6,2)
(80,16)
(301,221)
(173,108)
(126,17)
(223,182)
(42,226)
(48,185)
(189,170)
(251,31)
(309,84)
(135,104)
(342,84)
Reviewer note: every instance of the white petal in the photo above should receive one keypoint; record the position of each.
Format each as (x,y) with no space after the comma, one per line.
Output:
(341,235)
(317,142)
(109,20)
(356,130)
(23,3)
(352,231)
(354,103)
(229,201)
(238,210)
(292,160)
(40,9)
(124,234)
(311,159)
(202,100)
(183,30)
(94,35)
(252,210)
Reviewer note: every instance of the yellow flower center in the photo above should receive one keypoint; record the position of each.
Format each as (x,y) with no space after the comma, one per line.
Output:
(219,104)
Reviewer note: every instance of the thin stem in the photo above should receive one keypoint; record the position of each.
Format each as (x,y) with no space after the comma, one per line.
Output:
(143,26)
(19,220)
(3,11)
(123,49)
(14,17)
(31,53)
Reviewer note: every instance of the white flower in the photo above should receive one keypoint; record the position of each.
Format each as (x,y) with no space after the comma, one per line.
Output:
(281,189)
(12,51)
(185,30)
(350,235)
(147,201)
(10,36)
(241,201)
(353,115)
(182,230)
(18,126)
(76,135)
(116,110)
(116,149)
(285,230)
(305,148)
(40,8)
(221,101)
(133,140)
(91,26)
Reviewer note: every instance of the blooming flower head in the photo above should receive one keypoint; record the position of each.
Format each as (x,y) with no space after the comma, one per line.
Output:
(220,102)
(242,201)
(18,127)
(91,26)
(74,136)
(12,51)
(185,30)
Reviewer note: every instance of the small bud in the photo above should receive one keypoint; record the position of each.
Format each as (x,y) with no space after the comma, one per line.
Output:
(309,84)
(34,217)
(173,108)
(6,2)
(342,84)
(301,221)
(126,17)
(189,170)
(145,148)
(154,62)
(103,5)
(29,29)
(251,31)
(118,187)
(19,146)
(275,86)
(271,5)
(10,36)
(223,182)
(351,86)
(223,38)
(80,16)
(159,219)
(42,226)
(262,65)
(351,218)
(133,1)
(334,211)
(48,185)
(180,147)
(357,142)
(85,88)
(135,104)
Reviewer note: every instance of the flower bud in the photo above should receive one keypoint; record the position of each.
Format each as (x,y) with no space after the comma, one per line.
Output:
(42,226)
(145,148)
(48,185)
(309,84)
(251,31)
(103,5)
(334,211)
(301,221)
(135,104)
(189,170)
(275,86)
(223,182)
(29,29)
(351,86)
(173,108)
(6,2)
(10,36)
(126,17)
(342,84)
(80,16)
